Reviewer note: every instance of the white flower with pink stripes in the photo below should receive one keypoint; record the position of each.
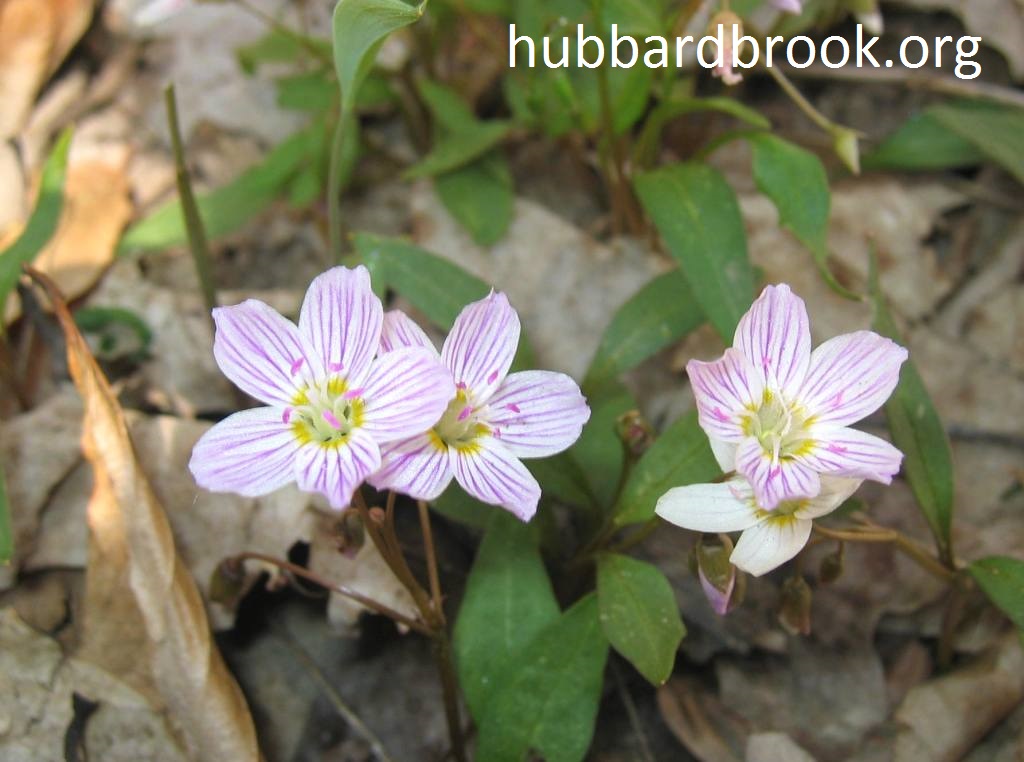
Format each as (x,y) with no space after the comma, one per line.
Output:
(780,414)
(330,405)
(493,418)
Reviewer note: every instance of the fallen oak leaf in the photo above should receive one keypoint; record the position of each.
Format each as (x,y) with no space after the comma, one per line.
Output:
(134,572)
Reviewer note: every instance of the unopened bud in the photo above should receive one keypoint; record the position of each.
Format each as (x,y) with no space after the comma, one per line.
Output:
(723,585)
(732,29)
(636,434)
(831,567)
(348,533)
(227,583)
(795,606)
(846,144)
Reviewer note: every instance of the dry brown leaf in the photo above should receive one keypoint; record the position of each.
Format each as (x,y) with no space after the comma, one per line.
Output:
(35,36)
(133,564)
(700,721)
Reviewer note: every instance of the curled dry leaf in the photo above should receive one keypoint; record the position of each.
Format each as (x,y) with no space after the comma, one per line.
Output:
(134,572)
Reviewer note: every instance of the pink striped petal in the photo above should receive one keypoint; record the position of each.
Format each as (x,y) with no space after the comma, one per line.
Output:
(726,507)
(848,452)
(251,453)
(336,472)
(538,413)
(770,543)
(726,391)
(406,393)
(341,317)
(776,337)
(262,352)
(416,467)
(481,345)
(850,377)
(400,330)
(492,474)
(834,490)
(788,479)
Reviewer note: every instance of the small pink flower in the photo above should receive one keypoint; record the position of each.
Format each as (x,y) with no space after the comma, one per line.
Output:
(779,414)
(789,6)
(493,420)
(330,404)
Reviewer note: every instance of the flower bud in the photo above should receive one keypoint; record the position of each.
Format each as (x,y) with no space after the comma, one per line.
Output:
(732,28)
(795,606)
(723,585)
(635,432)
(348,533)
(845,142)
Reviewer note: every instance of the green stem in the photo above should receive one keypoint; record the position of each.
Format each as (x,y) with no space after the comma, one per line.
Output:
(907,546)
(334,229)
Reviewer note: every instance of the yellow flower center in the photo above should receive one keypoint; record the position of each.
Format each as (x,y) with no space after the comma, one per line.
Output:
(782,429)
(460,426)
(326,413)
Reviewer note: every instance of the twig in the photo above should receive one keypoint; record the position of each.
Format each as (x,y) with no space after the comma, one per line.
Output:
(909,547)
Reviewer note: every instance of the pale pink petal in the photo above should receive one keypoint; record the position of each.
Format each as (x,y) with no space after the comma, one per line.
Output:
(770,543)
(726,391)
(262,352)
(251,453)
(418,467)
(773,482)
(406,392)
(482,343)
(726,507)
(400,330)
(842,451)
(492,474)
(834,490)
(336,472)
(776,337)
(850,377)
(537,413)
(789,6)
(341,317)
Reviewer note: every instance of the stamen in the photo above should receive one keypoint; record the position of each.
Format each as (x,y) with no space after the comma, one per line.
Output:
(297,365)
(331,419)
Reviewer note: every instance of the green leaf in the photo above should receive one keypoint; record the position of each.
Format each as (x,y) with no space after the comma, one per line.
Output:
(917,431)
(549,697)
(6,535)
(359,27)
(696,213)
(456,505)
(639,614)
(458,149)
(450,112)
(229,207)
(41,225)
(277,46)
(480,196)
(661,115)
(660,313)
(924,143)
(599,451)
(1002,580)
(995,130)
(560,477)
(681,455)
(310,91)
(508,601)
(638,18)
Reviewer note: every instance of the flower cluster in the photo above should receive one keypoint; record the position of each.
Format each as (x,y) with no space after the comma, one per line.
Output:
(778,415)
(353,395)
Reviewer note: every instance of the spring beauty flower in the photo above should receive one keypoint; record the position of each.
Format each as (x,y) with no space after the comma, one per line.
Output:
(779,414)
(492,420)
(330,404)
(789,6)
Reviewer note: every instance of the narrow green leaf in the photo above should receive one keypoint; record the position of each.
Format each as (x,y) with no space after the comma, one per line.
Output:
(923,143)
(480,196)
(599,451)
(1002,580)
(639,614)
(508,601)
(359,26)
(681,455)
(660,313)
(995,130)
(458,149)
(917,431)
(696,213)
(549,697)
(6,535)
(41,225)
(560,477)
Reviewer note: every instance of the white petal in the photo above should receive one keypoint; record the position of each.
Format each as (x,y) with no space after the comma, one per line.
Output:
(834,490)
(770,543)
(726,507)
(336,472)
(492,474)
(406,393)
(725,454)
(538,413)
(726,391)
(482,343)
(400,330)
(418,467)
(776,337)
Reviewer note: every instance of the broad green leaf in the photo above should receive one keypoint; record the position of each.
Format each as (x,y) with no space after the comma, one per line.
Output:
(924,143)
(456,505)
(458,149)
(277,46)
(628,92)
(639,614)
(229,207)
(599,451)
(660,313)
(560,477)
(41,225)
(696,213)
(6,535)
(359,26)
(310,91)
(1002,580)
(480,196)
(508,601)
(681,455)
(549,697)
(450,112)
(638,18)
(917,431)
(995,130)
